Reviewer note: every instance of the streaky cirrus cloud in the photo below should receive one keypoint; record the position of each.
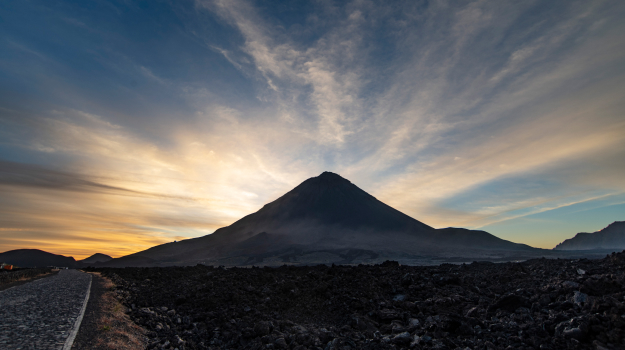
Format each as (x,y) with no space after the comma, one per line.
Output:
(143,124)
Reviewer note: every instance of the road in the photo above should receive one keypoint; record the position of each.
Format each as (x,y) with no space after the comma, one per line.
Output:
(42,314)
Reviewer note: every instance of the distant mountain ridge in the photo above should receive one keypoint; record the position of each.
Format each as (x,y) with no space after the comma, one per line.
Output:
(40,258)
(610,237)
(36,258)
(324,219)
(468,238)
(327,219)
(96,258)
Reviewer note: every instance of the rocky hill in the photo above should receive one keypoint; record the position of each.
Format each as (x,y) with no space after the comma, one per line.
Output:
(326,219)
(611,237)
(36,258)
(96,258)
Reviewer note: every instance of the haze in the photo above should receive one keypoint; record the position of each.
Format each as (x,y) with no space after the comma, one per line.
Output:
(128,124)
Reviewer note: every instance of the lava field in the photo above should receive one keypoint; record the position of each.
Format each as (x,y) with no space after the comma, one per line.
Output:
(537,304)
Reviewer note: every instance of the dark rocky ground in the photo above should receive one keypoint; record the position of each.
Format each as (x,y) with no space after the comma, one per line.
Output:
(537,304)
(88,333)
(11,276)
(105,326)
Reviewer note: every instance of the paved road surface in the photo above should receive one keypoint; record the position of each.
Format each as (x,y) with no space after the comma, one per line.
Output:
(41,314)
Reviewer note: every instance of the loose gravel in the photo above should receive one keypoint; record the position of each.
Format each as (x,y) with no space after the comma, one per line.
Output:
(537,304)
(41,314)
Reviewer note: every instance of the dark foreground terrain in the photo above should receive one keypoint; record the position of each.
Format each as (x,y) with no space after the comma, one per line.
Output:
(537,304)
(10,277)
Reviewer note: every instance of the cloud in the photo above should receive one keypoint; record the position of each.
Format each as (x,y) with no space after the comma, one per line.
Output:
(17,174)
(129,193)
(27,175)
(150,75)
(454,113)
(289,71)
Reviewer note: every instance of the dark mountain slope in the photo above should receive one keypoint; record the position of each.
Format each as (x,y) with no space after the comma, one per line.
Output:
(611,237)
(95,258)
(331,200)
(323,215)
(323,212)
(462,237)
(129,261)
(36,258)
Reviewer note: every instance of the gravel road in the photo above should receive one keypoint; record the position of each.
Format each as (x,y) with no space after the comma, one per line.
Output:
(42,314)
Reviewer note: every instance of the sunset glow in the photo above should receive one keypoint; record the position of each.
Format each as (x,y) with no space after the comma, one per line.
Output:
(125,125)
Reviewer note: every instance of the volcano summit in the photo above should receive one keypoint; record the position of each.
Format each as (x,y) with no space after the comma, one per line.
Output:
(326,219)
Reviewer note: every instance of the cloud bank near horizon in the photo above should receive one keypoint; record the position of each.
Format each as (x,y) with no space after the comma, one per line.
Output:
(125,125)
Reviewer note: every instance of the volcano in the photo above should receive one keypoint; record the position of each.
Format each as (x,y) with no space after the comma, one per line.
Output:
(326,219)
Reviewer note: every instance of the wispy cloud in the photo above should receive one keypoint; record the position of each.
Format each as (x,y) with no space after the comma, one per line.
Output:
(469,114)
(304,78)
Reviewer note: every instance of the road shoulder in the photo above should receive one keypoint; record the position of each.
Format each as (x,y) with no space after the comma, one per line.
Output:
(105,324)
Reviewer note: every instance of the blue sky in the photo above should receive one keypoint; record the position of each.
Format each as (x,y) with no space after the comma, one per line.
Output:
(125,124)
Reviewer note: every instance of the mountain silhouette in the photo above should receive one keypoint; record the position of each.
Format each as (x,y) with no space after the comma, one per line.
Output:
(610,237)
(36,258)
(462,237)
(96,258)
(325,216)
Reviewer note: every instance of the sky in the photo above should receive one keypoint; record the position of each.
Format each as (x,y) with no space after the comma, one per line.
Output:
(127,124)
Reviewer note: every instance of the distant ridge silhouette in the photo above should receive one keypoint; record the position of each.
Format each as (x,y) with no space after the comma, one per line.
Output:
(96,258)
(324,219)
(36,258)
(610,237)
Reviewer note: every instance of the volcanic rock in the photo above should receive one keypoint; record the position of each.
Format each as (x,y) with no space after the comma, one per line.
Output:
(514,307)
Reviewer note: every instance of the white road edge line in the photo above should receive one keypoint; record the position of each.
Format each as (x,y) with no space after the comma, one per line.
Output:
(70,340)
